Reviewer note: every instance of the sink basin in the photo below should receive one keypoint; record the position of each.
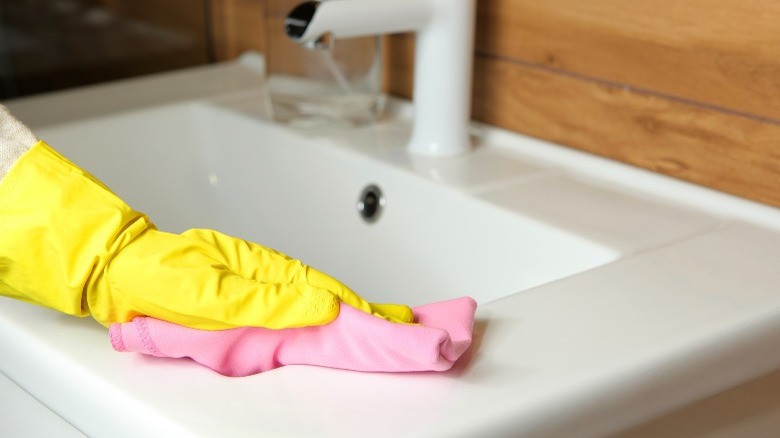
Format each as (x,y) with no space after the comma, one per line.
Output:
(607,295)
(203,165)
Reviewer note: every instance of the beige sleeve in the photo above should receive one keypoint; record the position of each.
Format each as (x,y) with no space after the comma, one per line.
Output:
(15,140)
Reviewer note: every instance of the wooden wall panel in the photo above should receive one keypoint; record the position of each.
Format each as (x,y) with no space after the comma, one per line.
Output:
(728,152)
(187,17)
(48,46)
(237,26)
(399,65)
(689,89)
(718,52)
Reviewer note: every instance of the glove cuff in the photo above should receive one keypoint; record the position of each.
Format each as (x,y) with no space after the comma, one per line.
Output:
(60,227)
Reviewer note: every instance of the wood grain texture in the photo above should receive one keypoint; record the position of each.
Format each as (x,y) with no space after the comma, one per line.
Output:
(718,52)
(54,45)
(728,152)
(188,17)
(237,26)
(399,64)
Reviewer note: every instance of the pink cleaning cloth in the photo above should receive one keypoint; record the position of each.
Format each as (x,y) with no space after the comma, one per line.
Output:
(355,341)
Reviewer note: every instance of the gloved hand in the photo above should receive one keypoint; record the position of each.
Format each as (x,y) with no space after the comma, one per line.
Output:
(67,242)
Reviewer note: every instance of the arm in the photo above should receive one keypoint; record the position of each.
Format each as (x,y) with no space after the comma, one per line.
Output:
(67,242)
(15,140)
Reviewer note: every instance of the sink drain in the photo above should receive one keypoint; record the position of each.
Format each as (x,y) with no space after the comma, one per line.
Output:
(371,203)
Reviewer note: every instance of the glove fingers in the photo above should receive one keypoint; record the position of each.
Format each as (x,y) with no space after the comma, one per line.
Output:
(251,260)
(190,286)
(235,302)
(275,306)
(255,261)
(390,312)
(393,312)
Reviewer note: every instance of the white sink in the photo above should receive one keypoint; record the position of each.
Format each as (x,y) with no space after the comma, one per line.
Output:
(201,165)
(608,295)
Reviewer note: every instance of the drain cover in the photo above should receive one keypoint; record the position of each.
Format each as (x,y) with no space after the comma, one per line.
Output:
(371,203)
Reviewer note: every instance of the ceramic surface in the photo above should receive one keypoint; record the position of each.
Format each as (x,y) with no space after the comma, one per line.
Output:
(608,295)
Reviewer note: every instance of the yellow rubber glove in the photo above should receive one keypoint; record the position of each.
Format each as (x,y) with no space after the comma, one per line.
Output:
(67,242)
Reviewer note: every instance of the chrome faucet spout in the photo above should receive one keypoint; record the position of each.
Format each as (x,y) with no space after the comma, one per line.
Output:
(444,45)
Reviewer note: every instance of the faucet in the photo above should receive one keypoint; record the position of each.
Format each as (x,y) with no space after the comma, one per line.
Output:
(444,45)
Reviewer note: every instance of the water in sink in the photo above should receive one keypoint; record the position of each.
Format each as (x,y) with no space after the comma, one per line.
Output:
(196,165)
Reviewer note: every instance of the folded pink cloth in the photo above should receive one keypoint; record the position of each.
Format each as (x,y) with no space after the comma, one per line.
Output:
(353,341)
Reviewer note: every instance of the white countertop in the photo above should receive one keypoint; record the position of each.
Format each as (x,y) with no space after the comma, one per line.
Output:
(691,308)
